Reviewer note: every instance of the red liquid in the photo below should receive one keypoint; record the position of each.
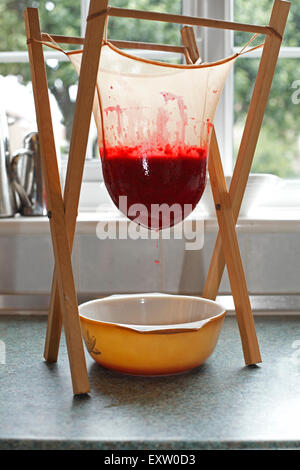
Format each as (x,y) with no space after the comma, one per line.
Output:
(166,175)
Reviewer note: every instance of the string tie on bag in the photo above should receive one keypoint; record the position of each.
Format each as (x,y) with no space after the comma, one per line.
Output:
(51,43)
(99,13)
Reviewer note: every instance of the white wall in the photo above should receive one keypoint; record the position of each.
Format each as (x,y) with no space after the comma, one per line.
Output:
(271,259)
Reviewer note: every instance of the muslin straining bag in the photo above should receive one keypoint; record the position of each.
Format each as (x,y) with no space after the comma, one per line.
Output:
(154,123)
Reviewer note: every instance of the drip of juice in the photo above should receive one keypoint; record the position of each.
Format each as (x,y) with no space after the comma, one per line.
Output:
(156,261)
(152,177)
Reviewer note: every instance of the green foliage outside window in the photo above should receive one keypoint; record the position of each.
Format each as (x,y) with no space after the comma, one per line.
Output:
(278,149)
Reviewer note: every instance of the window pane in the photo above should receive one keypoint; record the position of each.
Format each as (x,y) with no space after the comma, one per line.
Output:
(147,31)
(63,17)
(259,11)
(56,16)
(278,150)
(17,99)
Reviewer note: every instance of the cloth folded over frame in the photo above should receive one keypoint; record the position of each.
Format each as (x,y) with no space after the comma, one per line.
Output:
(154,122)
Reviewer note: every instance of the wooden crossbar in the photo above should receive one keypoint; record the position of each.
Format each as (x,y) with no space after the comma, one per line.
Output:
(121,44)
(190,20)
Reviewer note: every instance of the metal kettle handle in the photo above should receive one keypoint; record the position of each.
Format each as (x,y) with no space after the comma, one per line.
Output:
(15,177)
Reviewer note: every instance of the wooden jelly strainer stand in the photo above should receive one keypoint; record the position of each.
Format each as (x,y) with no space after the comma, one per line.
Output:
(62,210)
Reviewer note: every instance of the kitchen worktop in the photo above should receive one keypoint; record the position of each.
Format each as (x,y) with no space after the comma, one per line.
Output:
(220,405)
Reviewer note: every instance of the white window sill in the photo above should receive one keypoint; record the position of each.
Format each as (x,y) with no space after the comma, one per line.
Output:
(264,219)
(281,214)
(283,200)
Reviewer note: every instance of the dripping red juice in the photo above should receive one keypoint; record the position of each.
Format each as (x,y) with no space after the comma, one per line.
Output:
(168,175)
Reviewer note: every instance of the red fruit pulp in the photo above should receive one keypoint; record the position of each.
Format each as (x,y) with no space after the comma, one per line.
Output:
(167,175)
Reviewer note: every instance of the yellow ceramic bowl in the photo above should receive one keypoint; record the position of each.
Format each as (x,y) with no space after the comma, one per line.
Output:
(151,334)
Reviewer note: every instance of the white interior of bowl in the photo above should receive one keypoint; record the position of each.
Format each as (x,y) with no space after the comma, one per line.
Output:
(148,312)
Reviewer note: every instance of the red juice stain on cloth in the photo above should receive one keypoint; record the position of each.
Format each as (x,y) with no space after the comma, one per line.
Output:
(161,182)
(154,180)
(117,109)
(181,107)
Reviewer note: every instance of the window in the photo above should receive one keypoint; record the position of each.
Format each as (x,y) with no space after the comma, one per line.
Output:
(278,149)
(65,17)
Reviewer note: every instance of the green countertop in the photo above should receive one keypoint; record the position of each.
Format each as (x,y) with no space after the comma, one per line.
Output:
(220,405)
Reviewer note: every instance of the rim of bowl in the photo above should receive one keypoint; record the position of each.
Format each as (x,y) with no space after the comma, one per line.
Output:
(175,327)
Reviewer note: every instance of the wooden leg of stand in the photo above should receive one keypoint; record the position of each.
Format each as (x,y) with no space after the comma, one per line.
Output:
(229,239)
(54,326)
(67,292)
(232,255)
(189,41)
(250,136)
(78,144)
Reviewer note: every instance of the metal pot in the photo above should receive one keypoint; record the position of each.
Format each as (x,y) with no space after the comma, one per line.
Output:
(27,177)
(8,206)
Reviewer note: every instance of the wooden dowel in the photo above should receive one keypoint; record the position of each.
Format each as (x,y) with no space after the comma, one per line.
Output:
(232,255)
(189,20)
(65,279)
(188,40)
(121,44)
(228,235)
(62,39)
(148,46)
(78,144)
(54,325)
(250,137)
